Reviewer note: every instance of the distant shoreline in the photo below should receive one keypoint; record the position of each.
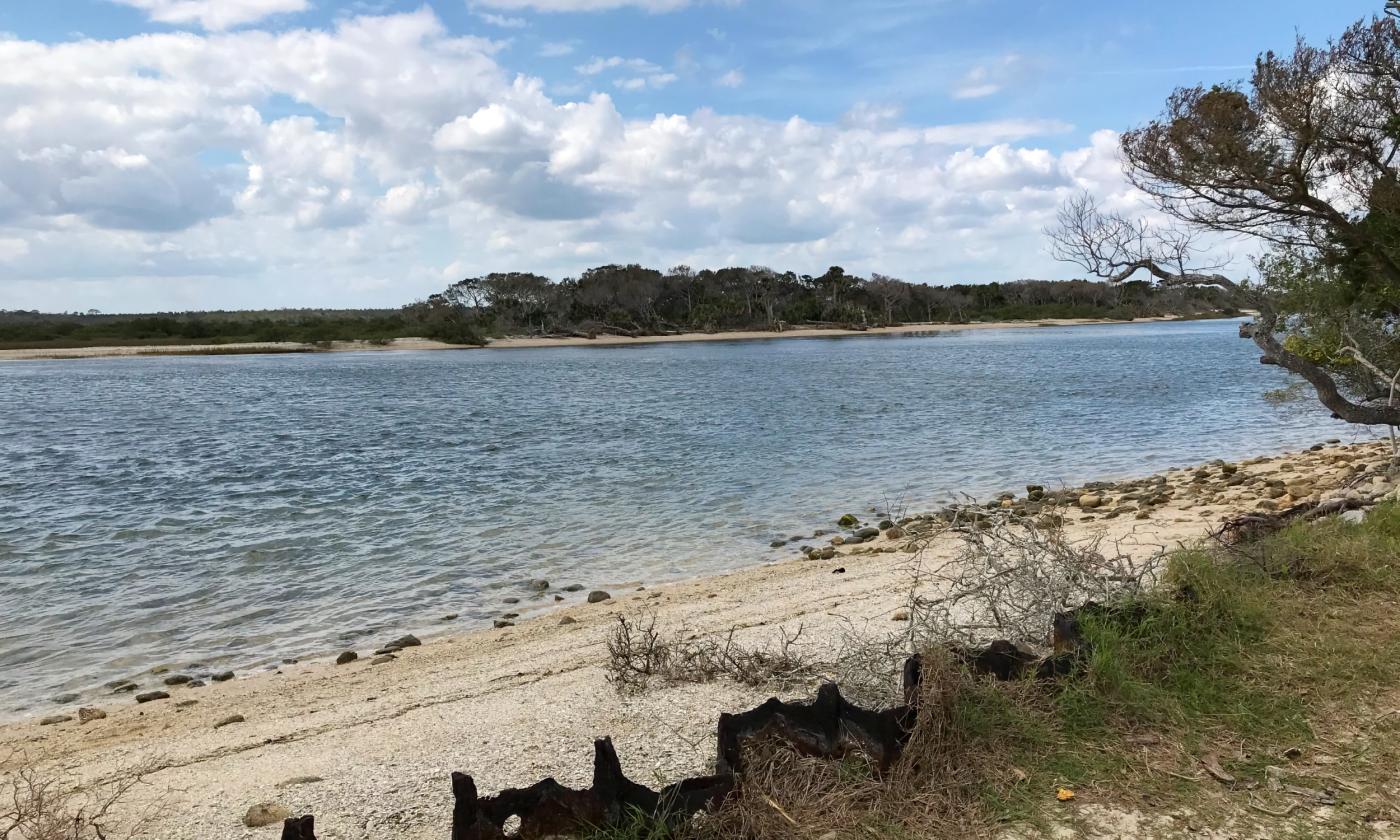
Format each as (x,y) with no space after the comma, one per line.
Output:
(526,342)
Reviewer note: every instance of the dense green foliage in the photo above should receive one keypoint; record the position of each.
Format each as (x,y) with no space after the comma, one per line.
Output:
(1306,160)
(638,300)
(628,300)
(32,329)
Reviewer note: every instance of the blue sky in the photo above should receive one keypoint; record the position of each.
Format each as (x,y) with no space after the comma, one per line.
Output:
(208,153)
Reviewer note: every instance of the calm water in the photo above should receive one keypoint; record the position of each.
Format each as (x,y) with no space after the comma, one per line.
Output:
(231,511)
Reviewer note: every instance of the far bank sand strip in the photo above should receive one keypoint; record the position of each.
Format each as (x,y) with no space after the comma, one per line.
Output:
(523,342)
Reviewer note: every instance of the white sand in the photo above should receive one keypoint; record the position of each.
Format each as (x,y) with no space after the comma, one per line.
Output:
(518,343)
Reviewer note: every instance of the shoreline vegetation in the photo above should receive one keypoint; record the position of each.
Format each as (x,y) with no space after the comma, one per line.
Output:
(606,305)
(522,342)
(1236,727)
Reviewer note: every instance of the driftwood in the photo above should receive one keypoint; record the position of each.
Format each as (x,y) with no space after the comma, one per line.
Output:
(548,809)
(1251,526)
(828,727)
(299,828)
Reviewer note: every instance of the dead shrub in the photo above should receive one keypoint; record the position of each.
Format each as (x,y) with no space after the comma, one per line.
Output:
(38,805)
(639,653)
(1009,578)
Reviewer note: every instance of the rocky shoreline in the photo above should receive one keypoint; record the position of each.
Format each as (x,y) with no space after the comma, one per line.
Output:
(524,694)
(1212,490)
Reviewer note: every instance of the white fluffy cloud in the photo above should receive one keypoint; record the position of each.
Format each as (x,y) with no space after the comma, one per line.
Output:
(215,15)
(149,171)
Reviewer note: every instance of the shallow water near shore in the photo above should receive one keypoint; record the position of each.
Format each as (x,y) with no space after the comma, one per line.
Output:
(232,511)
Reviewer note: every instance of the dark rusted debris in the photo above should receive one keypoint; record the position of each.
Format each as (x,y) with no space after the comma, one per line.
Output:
(828,727)
(548,809)
(299,828)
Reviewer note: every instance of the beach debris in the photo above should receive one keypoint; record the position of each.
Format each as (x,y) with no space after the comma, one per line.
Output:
(598,596)
(1252,526)
(148,696)
(383,659)
(88,714)
(222,677)
(1064,794)
(267,813)
(177,679)
(299,828)
(568,619)
(230,720)
(548,809)
(53,719)
(828,727)
(1212,766)
(346,657)
(300,780)
(502,623)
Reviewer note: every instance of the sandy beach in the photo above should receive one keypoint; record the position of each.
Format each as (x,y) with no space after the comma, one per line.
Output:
(518,343)
(367,747)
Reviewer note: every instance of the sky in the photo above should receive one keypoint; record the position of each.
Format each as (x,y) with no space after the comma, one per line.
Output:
(203,154)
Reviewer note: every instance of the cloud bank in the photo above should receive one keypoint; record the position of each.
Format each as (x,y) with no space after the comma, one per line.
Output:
(375,161)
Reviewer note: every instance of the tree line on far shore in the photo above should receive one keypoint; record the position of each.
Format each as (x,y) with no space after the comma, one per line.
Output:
(631,300)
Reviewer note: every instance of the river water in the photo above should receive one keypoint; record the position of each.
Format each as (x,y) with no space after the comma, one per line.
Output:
(229,511)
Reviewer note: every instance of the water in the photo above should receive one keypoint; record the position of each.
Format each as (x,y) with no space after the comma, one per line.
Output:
(234,510)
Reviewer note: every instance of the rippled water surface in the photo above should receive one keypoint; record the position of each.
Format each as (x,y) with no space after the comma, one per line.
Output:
(235,510)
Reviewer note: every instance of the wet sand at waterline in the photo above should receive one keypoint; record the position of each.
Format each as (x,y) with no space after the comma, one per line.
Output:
(522,342)
(368,748)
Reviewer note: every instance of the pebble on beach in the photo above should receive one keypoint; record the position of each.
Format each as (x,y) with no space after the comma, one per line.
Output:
(598,596)
(88,714)
(346,657)
(231,719)
(265,814)
(152,695)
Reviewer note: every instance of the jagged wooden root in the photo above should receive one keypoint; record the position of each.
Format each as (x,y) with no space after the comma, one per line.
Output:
(548,809)
(299,828)
(1252,526)
(828,727)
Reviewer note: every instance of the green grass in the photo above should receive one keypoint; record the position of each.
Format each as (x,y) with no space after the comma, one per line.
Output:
(1243,659)
(1239,655)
